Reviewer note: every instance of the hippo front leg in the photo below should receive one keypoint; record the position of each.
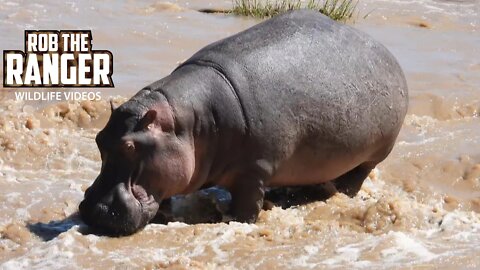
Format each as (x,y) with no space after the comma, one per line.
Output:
(248,192)
(247,199)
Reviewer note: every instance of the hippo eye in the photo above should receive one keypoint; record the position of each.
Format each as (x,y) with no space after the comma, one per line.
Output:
(129,147)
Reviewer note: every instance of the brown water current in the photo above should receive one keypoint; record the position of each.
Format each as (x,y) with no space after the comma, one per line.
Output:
(419,209)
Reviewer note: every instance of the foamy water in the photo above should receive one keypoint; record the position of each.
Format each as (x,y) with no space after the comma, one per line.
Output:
(418,209)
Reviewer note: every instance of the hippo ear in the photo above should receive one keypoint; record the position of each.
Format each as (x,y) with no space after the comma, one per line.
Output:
(113,107)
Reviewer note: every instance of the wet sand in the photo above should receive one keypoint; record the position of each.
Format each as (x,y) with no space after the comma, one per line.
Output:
(419,209)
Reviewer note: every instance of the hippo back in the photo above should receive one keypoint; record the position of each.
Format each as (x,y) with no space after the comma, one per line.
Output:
(302,75)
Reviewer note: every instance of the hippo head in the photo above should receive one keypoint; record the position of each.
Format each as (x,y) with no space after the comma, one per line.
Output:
(143,162)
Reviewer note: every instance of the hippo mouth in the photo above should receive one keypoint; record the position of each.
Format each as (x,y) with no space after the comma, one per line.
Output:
(141,195)
(121,209)
(137,190)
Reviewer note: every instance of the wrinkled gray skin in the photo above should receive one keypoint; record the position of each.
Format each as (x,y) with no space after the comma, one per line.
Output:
(296,100)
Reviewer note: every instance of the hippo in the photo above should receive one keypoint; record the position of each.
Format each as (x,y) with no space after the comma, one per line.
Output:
(296,100)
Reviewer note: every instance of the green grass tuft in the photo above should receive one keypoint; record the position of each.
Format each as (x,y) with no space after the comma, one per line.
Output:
(339,10)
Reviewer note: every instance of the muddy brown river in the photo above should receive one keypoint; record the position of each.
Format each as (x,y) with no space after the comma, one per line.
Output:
(419,209)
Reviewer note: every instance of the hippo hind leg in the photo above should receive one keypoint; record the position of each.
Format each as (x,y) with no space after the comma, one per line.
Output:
(351,182)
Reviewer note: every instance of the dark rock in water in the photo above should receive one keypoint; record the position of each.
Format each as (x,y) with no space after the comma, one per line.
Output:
(204,206)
